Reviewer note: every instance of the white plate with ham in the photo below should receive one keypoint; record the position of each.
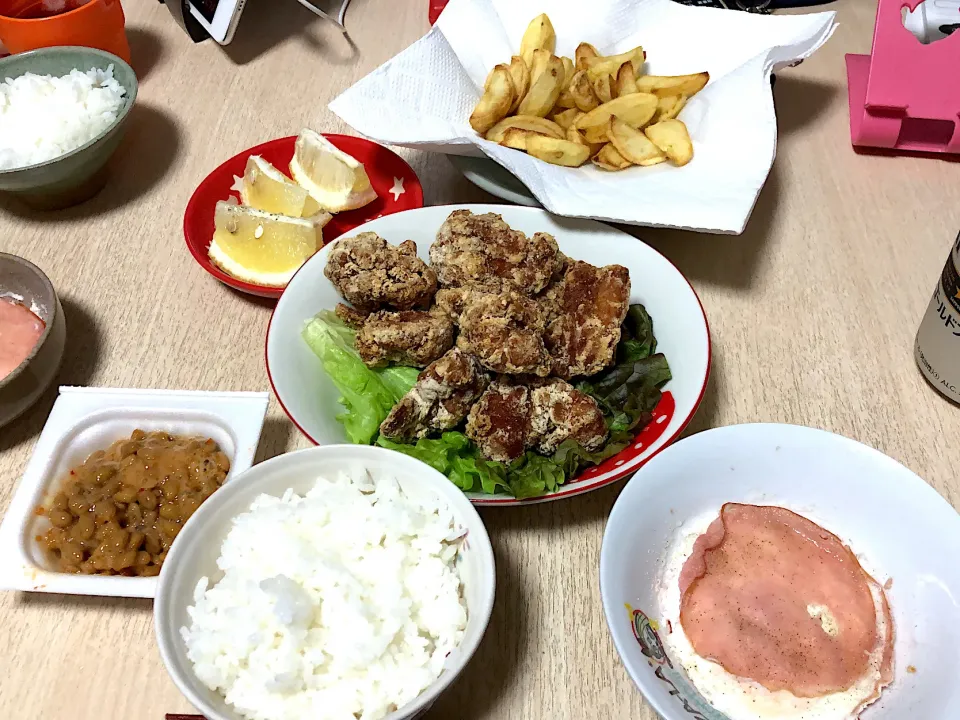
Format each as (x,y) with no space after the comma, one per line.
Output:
(775,571)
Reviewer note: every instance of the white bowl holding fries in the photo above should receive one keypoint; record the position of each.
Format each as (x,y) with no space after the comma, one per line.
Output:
(424,98)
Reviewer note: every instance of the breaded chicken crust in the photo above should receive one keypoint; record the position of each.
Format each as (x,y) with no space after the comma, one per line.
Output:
(406,337)
(371,274)
(504,330)
(483,251)
(588,308)
(440,400)
(513,416)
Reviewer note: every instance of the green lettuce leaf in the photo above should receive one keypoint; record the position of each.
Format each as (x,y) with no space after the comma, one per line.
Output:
(629,391)
(398,379)
(531,475)
(636,336)
(475,474)
(455,456)
(572,457)
(367,395)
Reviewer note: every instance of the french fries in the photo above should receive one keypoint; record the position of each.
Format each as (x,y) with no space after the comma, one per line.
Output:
(635,110)
(677,85)
(497,99)
(603,87)
(516,138)
(530,123)
(669,106)
(609,159)
(566,99)
(574,135)
(631,143)
(584,51)
(539,35)
(566,118)
(520,74)
(626,80)
(602,108)
(557,152)
(672,137)
(582,91)
(609,65)
(568,70)
(546,79)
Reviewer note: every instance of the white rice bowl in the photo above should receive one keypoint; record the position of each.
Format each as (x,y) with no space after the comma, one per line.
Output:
(344,603)
(43,117)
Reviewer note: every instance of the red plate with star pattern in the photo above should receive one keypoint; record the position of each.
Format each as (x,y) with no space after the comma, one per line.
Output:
(397,186)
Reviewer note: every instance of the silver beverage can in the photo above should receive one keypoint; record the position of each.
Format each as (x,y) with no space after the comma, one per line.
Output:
(938,340)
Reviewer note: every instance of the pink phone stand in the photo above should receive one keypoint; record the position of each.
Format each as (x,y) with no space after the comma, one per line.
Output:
(905,96)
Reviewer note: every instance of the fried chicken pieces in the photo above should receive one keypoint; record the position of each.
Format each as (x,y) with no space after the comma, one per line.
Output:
(406,337)
(513,309)
(588,308)
(504,330)
(511,418)
(440,399)
(370,273)
(482,251)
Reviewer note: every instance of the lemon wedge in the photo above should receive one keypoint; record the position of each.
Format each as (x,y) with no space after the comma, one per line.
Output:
(334,179)
(260,247)
(265,188)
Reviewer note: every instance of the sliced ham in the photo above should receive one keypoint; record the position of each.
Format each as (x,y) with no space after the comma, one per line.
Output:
(20,330)
(773,597)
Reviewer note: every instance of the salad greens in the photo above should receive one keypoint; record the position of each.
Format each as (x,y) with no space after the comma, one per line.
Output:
(367,395)
(627,393)
(530,475)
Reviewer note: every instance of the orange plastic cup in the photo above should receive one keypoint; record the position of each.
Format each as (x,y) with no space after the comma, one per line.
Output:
(31,24)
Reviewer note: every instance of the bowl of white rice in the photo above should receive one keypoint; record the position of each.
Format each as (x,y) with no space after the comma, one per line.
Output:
(62,115)
(337,582)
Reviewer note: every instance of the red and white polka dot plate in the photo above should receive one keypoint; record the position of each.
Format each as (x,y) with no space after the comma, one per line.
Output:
(310,399)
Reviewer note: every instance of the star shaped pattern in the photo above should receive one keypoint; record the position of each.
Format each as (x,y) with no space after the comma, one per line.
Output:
(397,189)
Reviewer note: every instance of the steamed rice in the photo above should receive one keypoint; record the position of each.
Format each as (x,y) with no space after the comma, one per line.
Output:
(43,117)
(338,605)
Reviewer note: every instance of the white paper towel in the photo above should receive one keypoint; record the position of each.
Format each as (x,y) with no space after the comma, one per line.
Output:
(423,97)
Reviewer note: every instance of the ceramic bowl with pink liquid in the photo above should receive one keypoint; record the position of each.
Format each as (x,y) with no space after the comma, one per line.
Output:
(25,289)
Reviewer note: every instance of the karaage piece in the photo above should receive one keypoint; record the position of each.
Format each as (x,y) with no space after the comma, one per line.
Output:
(548,298)
(407,337)
(483,251)
(501,422)
(440,400)
(503,330)
(512,417)
(351,316)
(452,301)
(561,412)
(370,273)
(589,307)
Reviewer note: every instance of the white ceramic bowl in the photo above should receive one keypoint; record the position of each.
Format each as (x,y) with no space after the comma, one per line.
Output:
(194,555)
(900,528)
(311,400)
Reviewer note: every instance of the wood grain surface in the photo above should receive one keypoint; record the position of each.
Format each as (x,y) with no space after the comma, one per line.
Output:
(813,312)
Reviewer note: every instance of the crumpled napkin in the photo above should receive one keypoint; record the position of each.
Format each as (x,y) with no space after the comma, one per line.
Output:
(423,97)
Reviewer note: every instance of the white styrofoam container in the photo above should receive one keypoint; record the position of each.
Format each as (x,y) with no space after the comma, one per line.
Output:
(84,420)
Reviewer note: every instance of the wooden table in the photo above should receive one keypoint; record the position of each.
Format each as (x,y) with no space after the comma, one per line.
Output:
(813,312)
